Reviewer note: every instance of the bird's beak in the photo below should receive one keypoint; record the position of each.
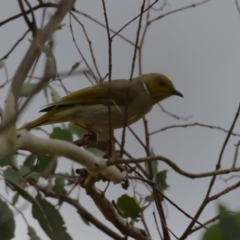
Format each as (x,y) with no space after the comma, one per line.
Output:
(175,92)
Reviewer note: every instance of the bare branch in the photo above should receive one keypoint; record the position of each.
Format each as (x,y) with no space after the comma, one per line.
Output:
(42,5)
(178,10)
(111,213)
(90,46)
(193,125)
(236,155)
(174,166)
(173,115)
(80,52)
(15,45)
(218,165)
(94,164)
(33,52)
(101,24)
(81,211)
(109,75)
(204,224)
(131,76)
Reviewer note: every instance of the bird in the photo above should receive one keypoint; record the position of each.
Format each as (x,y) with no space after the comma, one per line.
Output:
(90,107)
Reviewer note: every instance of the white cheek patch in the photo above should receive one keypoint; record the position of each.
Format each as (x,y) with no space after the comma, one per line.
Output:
(145,88)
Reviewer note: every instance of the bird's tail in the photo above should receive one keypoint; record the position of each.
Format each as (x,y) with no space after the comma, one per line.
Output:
(44,119)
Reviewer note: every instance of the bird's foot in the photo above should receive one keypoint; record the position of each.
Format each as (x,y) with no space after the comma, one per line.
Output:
(90,136)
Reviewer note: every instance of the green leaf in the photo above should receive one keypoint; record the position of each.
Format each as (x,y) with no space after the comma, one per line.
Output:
(129,206)
(32,234)
(46,165)
(29,174)
(16,180)
(58,188)
(54,94)
(149,198)
(10,174)
(214,232)
(55,220)
(74,67)
(73,128)
(7,160)
(51,68)
(228,227)
(229,224)
(160,179)
(28,88)
(37,208)
(154,165)
(7,223)
(30,160)
(61,134)
(48,51)
(15,198)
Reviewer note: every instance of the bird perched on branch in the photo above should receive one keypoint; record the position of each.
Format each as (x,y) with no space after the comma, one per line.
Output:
(90,107)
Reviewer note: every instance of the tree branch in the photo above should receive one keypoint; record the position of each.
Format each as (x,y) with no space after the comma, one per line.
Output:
(8,140)
(94,164)
(111,214)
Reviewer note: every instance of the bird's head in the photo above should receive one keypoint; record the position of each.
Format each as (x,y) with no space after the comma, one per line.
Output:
(159,86)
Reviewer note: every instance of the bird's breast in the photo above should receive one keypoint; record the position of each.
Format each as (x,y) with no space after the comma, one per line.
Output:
(97,116)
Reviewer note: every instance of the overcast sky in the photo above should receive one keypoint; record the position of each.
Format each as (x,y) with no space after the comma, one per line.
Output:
(199,50)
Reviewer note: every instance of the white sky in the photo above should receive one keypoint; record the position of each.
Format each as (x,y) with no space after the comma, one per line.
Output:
(199,50)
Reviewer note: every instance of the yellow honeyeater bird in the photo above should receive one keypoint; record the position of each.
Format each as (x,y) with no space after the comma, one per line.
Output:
(89,107)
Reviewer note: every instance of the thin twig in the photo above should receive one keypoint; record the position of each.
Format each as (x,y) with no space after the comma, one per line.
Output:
(33,52)
(193,125)
(238,7)
(145,223)
(204,224)
(147,136)
(173,115)
(139,15)
(31,25)
(44,5)
(179,209)
(236,154)
(101,24)
(178,10)
(131,76)
(158,202)
(81,211)
(225,191)
(138,138)
(79,51)
(175,167)
(156,223)
(109,78)
(15,45)
(89,44)
(218,165)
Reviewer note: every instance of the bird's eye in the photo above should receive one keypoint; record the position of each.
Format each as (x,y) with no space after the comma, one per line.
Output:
(161,83)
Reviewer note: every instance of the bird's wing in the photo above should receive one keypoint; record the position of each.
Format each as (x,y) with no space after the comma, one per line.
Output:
(98,94)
